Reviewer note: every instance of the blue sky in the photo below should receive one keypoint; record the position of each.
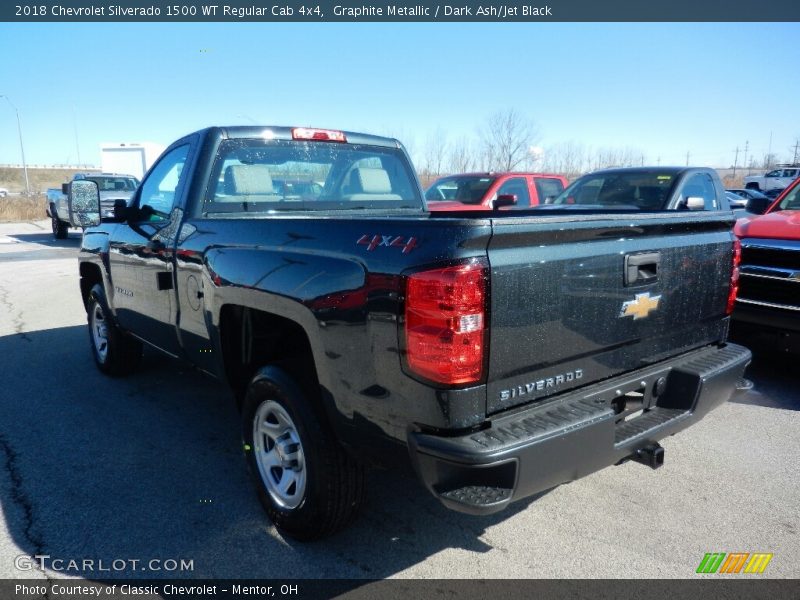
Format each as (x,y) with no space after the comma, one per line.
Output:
(662,88)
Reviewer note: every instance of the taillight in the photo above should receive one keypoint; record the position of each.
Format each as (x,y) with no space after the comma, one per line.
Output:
(445,322)
(737,259)
(318,135)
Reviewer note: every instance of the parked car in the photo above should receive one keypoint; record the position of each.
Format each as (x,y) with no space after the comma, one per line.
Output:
(479,191)
(645,188)
(502,354)
(774,193)
(775,179)
(296,189)
(768,304)
(748,194)
(3,192)
(735,200)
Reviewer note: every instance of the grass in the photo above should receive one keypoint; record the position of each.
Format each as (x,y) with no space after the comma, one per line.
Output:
(22,208)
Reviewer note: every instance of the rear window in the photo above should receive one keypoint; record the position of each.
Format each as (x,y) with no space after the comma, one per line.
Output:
(256,175)
(467,189)
(115,184)
(642,191)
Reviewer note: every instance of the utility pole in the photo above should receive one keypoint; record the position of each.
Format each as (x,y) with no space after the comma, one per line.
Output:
(769,153)
(735,160)
(746,144)
(687,158)
(21,147)
(796,145)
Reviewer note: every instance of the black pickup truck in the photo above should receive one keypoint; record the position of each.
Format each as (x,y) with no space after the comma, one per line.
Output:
(502,353)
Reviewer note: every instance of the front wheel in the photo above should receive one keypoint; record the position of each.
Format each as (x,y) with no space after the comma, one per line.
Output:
(114,352)
(60,229)
(308,485)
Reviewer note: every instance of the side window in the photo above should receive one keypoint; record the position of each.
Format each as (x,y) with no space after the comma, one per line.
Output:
(158,193)
(700,185)
(547,187)
(519,187)
(774,173)
(790,173)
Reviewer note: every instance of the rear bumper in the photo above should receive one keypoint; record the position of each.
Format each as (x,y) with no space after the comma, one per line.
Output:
(530,450)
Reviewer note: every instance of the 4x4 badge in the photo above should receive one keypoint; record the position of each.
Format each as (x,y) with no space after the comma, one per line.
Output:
(374,241)
(640,307)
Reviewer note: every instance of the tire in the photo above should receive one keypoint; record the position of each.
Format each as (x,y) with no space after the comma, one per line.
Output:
(115,353)
(308,485)
(60,229)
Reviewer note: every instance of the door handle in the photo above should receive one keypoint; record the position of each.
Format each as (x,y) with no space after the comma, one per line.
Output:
(642,268)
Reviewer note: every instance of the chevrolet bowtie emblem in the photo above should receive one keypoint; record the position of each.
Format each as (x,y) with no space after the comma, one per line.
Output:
(640,307)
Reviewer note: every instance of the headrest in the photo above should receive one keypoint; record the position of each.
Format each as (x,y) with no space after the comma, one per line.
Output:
(248,179)
(373,181)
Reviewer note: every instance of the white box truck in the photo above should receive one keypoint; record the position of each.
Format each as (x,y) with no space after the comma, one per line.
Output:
(129,158)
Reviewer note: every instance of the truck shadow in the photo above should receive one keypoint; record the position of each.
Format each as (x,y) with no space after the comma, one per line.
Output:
(150,467)
(73,239)
(773,376)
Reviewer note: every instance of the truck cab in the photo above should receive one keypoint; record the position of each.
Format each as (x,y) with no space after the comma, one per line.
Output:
(482,191)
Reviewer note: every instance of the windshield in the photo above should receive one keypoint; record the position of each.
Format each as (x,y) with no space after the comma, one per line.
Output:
(115,184)
(792,200)
(257,175)
(644,191)
(467,189)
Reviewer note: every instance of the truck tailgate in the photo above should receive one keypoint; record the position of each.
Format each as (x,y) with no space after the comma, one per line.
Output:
(579,298)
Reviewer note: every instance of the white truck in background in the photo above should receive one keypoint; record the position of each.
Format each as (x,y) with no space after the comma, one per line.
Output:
(111,187)
(129,158)
(776,179)
(122,164)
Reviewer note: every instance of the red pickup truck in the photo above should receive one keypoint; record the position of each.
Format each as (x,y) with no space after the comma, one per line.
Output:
(479,191)
(768,305)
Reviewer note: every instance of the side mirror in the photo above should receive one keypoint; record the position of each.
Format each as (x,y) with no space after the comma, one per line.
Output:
(758,206)
(83,200)
(504,200)
(695,203)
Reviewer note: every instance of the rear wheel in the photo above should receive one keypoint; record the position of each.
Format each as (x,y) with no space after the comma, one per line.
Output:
(60,229)
(114,352)
(309,486)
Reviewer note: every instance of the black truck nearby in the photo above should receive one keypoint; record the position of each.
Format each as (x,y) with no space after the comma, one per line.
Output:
(501,353)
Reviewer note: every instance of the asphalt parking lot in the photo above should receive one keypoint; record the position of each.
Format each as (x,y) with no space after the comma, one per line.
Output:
(149,467)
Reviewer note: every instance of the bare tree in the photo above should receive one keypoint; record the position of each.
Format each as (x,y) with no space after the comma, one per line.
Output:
(769,160)
(570,159)
(506,140)
(435,153)
(406,138)
(462,156)
(617,157)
